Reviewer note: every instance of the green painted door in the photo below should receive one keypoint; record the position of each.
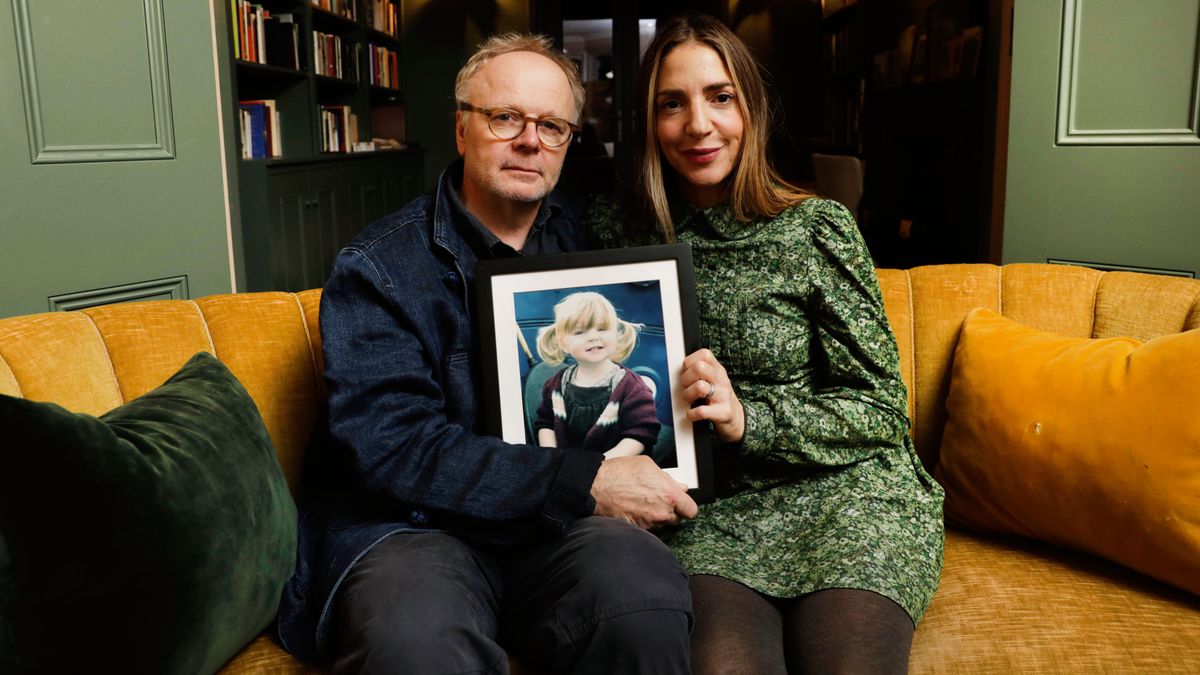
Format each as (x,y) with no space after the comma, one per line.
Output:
(1104,151)
(111,184)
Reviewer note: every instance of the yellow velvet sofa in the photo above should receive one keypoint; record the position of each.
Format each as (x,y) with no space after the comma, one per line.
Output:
(1004,604)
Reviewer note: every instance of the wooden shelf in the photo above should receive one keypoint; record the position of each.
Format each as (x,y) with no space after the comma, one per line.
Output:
(264,68)
(332,22)
(388,94)
(376,35)
(335,81)
(307,195)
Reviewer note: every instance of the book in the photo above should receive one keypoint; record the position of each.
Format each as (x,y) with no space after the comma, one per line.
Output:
(280,48)
(260,35)
(383,16)
(327,54)
(244,135)
(256,138)
(285,41)
(234,18)
(260,129)
(971,40)
(276,139)
(383,67)
(273,142)
(339,128)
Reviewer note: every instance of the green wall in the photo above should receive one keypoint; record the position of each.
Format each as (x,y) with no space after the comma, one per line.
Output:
(111,168)
(1103,156)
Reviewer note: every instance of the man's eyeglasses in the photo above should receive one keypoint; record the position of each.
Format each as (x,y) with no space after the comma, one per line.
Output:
(506,124)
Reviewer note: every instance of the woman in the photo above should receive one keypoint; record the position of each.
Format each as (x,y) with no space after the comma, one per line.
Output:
(824,546)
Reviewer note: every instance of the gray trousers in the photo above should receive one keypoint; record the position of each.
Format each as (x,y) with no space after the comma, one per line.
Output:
(606,598)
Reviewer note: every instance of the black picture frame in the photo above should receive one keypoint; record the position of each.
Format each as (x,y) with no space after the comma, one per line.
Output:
(652,286)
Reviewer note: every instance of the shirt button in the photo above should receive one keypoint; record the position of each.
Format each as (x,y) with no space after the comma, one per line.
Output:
(418,517)
(451,278)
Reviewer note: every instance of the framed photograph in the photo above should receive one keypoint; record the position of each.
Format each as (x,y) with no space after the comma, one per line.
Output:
(585,350)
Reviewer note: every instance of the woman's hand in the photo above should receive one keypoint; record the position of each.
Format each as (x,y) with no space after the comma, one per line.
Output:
(705,378)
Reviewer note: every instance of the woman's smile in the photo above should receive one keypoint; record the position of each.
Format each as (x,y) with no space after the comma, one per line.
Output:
(702,155)
(698,121)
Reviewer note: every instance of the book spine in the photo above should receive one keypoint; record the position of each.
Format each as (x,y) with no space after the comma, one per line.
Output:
(272,33)
(255,130)
(337,57)
(258,130)
(345,145)
(244,124)
(324,131)
(316,39)
(331,50)
(277,140)
(243,24)
(233,27)
(260,34)
(250,53)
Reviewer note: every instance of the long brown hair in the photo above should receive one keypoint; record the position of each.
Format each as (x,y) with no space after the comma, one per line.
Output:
(757,189)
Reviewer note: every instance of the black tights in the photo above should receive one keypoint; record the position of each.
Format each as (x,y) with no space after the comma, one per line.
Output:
(842,630)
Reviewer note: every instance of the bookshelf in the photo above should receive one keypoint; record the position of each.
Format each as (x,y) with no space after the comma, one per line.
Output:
(904,87)
(315,83)
(844,79)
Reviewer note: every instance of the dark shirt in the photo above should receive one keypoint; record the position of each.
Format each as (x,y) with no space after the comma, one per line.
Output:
(585,405)
(484,242)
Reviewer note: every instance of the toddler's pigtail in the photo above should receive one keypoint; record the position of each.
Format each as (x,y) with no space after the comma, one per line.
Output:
(627,334)
(548,345)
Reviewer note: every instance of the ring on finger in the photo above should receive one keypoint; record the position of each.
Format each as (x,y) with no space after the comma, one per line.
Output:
(712,389)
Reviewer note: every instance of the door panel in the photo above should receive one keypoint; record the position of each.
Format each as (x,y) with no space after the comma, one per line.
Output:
(112,161)
(331,195)
(1103,157)
(288,216)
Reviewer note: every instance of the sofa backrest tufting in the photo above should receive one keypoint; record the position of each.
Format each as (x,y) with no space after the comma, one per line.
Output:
(96,359)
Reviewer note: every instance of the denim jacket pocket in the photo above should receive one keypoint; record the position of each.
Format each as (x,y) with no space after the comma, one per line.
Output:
(460,390)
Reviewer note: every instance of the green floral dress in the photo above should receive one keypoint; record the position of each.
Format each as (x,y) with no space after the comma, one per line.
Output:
(826,489)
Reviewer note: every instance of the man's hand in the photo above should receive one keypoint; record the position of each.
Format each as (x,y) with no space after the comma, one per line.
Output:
(636,490)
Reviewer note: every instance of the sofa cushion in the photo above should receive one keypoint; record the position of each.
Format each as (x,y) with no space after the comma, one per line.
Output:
(1008,604)
(1088,444)
(153,539)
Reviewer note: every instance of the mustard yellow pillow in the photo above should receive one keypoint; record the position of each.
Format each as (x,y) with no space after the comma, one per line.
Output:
(1087,444)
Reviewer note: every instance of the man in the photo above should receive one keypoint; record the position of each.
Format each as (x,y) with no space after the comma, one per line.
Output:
(425,546)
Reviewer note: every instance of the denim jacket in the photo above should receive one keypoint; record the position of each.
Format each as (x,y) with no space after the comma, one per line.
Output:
(397,448)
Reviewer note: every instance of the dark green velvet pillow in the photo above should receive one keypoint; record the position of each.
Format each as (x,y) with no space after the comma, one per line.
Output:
(154,539)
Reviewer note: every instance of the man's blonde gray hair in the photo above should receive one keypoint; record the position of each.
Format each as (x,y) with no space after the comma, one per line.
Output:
(508,43)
